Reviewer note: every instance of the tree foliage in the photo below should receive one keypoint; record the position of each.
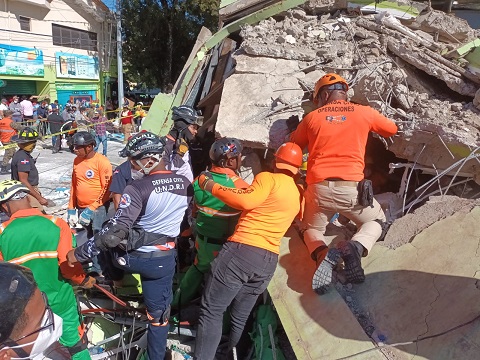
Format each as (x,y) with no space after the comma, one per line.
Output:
(159,36)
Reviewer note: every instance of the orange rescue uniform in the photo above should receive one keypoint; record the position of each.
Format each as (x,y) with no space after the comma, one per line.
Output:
(337,135)
(90,182)
(6,130)
(268,207)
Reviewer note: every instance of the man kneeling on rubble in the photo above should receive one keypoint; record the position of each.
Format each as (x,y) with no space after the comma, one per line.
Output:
(140,238)
(336,135)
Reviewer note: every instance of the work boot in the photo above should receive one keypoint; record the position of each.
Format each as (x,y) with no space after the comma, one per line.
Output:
(3,170)
(327,259)
(351,252)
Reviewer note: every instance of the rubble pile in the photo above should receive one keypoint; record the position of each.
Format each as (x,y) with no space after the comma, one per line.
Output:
(409,70)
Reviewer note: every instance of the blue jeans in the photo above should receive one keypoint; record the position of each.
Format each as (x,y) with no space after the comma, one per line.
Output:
(238,275)
(156,275)
(101,139)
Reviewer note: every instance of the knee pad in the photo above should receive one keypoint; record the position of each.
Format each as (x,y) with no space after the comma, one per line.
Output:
(159,317)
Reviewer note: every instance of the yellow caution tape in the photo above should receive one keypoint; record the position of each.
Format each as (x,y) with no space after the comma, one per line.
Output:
(14,144)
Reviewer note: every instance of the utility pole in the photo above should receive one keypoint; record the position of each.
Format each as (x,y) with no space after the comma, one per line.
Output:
(119,55)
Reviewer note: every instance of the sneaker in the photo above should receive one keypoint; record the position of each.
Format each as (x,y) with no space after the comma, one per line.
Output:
(323,276)
(353,262)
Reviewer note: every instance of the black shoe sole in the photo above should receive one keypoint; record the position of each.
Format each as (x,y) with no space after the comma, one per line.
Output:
(353,262)
(323,276)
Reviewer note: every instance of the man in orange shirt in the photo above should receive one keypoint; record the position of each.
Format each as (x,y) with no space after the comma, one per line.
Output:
(92,173)
(247,261)
(8,129)
(336,135)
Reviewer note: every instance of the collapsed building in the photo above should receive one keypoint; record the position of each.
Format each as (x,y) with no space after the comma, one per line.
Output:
(419,67)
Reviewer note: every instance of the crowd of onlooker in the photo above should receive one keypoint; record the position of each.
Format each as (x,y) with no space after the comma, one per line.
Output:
(62,121)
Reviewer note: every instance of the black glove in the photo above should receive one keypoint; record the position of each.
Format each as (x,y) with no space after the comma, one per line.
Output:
(292,123)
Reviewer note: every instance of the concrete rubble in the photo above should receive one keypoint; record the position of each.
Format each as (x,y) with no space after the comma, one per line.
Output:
(394,65)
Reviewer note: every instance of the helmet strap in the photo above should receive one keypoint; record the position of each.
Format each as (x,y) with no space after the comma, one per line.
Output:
(146,169)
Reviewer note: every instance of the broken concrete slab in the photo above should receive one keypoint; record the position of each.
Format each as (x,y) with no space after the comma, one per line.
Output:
(421,60)
(257,113)
(448,27)
(265,65)
(318,327)
(322,6)
(403,230)
(427,287)
(278,51)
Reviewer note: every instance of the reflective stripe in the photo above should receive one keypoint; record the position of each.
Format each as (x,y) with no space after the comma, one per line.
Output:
(215,212)
(167,246)
(7,131)
(34,255)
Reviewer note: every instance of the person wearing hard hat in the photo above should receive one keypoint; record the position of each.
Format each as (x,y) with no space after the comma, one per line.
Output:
(91,176)
(336,136)
(24,168)
(215,221)
(247,261)
(186,122)
(42,246)
(8,129)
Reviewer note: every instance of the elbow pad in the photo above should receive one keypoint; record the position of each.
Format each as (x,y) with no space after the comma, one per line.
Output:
(111,236)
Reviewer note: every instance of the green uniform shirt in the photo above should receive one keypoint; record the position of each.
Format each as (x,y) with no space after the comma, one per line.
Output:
(32,241)
(215,219)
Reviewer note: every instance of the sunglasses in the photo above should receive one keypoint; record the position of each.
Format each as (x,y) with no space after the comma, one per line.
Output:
(50,321)
(337,86)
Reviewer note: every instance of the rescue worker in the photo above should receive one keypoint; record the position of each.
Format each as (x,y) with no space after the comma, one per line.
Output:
(122,176)
(29,329)
(91,178)
(8,129)
(24,168)
(44,252)
(215,221)
(186,122)
(336,135)
(246,263)
(141,236)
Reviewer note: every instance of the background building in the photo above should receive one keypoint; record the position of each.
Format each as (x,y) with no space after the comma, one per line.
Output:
(60,49)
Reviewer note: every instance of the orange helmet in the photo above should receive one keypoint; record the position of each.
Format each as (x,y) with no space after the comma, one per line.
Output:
(328,79)
(289,157)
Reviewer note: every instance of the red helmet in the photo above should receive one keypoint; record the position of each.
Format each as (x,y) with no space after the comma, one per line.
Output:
(289,157)
(329,79)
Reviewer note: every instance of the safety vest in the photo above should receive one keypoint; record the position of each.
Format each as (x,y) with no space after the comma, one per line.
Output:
(6,131)
(215,219)
(23,244)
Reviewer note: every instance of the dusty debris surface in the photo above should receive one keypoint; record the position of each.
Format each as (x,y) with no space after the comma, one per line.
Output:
(409,69)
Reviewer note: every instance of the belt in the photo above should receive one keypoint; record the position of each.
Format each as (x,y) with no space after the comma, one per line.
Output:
(210,240)
(152,254)
(339,183)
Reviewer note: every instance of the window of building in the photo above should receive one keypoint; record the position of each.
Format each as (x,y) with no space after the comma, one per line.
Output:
(74,38)
(24,23)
